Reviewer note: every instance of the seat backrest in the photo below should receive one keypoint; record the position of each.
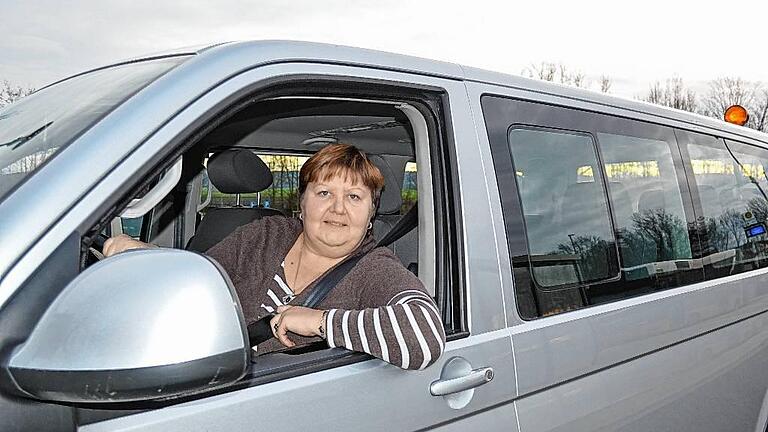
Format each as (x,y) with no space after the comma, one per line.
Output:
(622,204)
(232,171)
(388,212)
(652,199)
(580,209)
(710,201)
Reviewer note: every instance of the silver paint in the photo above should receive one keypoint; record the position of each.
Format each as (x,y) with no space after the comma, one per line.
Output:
(138,309)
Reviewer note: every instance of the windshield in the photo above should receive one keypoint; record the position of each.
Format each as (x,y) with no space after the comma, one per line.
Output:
(36,127)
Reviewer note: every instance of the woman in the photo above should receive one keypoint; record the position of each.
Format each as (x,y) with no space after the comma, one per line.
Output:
(379,307)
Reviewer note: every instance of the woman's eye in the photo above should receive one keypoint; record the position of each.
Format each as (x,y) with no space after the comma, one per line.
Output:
(323,193)
(354,197)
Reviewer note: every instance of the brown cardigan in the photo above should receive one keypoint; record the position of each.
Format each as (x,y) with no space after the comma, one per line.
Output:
(379,307)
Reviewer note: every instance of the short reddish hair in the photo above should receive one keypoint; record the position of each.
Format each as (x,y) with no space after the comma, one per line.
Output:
(342,160)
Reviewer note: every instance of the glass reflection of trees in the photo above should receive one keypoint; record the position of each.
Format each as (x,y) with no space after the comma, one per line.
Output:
(731,180)
(726,232)
(655,236)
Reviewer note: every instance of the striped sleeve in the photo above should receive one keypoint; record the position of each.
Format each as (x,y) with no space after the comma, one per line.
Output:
(407,332)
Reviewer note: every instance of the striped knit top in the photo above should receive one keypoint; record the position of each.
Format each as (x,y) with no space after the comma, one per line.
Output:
(379,307)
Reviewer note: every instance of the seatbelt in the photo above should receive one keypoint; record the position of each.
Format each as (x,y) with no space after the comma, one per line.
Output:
(403,226)
(259,331)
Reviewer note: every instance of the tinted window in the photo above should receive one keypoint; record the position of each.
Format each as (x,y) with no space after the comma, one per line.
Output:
(731,183)
(36,127)
(567,250)
(647,207)
(564,206)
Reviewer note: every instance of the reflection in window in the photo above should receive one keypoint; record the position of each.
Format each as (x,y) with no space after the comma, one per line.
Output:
(625,170)
(648,208)
(566,215)
(731,186)
(28,163)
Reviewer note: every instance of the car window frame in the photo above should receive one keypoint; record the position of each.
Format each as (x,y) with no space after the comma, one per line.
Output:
(440,142)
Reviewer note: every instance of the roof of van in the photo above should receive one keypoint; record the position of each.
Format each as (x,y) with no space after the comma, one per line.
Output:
(276,51)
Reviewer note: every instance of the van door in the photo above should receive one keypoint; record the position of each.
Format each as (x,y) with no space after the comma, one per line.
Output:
(373,395)
(369,395)
(615,327)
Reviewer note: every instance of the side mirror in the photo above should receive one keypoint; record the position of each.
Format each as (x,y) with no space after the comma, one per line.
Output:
(141,325)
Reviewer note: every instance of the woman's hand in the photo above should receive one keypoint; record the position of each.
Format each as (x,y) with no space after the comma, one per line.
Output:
(121,243)
(296,319)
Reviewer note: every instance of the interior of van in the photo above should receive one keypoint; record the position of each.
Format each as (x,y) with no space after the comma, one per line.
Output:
(245,166)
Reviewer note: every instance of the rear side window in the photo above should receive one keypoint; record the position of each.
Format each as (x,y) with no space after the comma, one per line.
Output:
(731,183)
(647,208)
(282,194)
(564,206)
(410,191)
(596,207)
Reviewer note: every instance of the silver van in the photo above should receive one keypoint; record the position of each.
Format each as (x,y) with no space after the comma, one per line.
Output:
(600,264)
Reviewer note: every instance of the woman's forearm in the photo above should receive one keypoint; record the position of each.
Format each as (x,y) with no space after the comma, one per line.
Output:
(407,332)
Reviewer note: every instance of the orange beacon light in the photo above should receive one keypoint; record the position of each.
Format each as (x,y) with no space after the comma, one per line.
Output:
(736,114)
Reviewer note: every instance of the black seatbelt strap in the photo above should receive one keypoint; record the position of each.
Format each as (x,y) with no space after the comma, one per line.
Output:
(259,331)
(403,226)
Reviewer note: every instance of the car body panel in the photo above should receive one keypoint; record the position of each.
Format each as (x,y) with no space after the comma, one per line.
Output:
(689,358)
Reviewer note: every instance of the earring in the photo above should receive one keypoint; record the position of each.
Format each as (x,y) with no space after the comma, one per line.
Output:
(301,216)
(370,225)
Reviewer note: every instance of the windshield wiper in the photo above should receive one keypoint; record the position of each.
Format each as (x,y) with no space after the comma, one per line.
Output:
(17,142)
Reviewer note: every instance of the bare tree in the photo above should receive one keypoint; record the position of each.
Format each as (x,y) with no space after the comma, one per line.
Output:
(672,94)
(548,71)
(544,71)
(724,92)
(10,93)
(759,114)
(605,84)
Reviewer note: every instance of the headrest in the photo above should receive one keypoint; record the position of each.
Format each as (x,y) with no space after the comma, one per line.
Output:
(582,191)
(650,200)
(391,199)
(238,171)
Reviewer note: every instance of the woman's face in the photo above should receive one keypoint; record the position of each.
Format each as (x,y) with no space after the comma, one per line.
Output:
(336,215)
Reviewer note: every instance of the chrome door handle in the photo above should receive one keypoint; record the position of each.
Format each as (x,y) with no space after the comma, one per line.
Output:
(474,378)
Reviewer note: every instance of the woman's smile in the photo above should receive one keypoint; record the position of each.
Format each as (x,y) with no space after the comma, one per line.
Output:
(335,224)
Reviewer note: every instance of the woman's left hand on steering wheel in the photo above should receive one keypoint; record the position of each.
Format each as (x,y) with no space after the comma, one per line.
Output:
(120,243)
(300,320)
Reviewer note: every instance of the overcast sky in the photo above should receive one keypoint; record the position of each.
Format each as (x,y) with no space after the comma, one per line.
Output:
(635,43)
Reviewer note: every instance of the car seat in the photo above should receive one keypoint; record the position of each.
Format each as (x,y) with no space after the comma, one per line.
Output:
(388,214)
(232,171)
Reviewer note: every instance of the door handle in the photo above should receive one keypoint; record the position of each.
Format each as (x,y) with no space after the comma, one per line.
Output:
(474,378)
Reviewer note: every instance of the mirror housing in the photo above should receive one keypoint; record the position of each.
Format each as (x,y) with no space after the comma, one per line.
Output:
(141,325)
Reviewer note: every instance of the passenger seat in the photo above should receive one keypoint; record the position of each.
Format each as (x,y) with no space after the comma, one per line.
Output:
(232,171)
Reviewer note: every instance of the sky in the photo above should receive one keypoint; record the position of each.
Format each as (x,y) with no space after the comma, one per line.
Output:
(634,43)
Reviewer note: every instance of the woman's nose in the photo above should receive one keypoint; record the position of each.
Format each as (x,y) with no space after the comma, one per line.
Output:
(338,204)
